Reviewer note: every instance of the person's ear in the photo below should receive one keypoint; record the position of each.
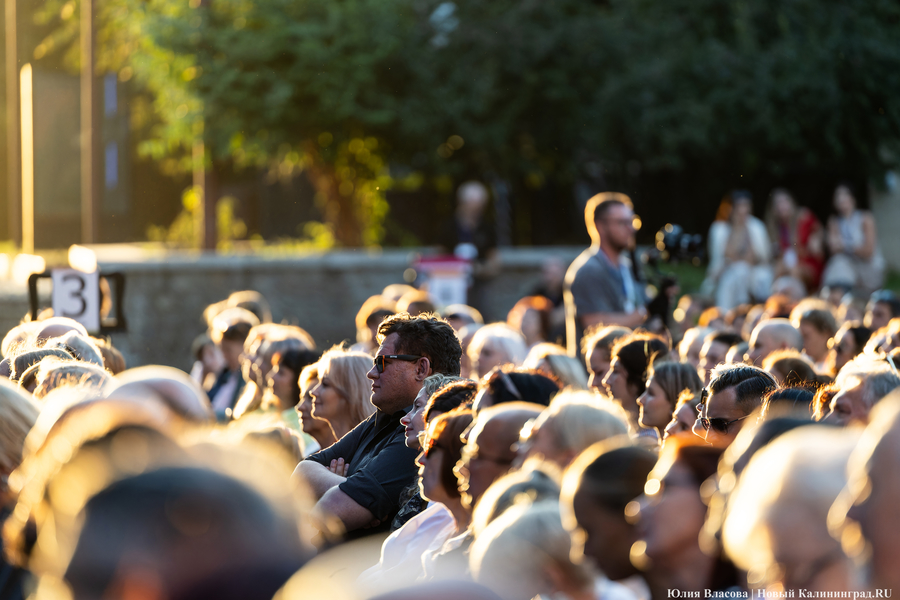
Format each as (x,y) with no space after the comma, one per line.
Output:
(423,368)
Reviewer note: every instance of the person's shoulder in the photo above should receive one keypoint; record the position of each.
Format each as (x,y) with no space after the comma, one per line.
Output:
(584,265)
(582,258)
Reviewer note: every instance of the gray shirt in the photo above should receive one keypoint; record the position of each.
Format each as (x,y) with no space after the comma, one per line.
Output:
(595,285)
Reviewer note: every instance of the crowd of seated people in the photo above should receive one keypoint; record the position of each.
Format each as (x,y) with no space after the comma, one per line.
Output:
(440,456)
(791,253)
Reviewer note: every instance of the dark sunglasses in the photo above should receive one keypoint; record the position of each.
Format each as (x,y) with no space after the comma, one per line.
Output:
(379,360)
(720,425)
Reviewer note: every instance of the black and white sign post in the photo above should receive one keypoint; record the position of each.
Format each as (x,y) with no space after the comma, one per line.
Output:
(76,295)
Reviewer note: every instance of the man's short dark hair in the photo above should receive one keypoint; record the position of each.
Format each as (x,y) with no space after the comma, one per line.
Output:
(425,335)
(616,473)
(599,205)
(729,338)
(751,384)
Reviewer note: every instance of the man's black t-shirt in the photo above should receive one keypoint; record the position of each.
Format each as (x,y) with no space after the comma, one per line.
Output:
(381,466)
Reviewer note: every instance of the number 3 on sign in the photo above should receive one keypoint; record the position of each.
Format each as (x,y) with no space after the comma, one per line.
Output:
(76,295)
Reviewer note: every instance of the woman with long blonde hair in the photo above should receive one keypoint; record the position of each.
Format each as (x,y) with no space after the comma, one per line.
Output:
(342,394)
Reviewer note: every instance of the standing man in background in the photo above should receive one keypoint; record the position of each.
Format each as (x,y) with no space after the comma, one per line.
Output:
(600,286)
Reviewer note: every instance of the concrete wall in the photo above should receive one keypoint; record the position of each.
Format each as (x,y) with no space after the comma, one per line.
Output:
(166,292)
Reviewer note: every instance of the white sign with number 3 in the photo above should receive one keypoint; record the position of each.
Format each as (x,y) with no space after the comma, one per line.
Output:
(76,295)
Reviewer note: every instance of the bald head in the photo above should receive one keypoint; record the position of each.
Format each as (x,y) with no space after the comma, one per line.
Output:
(505,420)
(772,335)
(488,454)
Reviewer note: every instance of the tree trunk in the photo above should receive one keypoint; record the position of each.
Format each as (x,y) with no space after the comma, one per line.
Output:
(338,210)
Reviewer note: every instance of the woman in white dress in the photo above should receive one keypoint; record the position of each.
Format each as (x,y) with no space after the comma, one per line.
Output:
(855,258)
(740,269)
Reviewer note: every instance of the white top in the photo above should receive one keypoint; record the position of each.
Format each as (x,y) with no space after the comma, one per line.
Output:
(720,231)
(402,551)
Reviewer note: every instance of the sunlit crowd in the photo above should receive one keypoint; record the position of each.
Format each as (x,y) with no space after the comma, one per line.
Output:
(746,447)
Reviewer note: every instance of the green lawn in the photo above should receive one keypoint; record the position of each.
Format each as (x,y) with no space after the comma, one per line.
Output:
(690,277)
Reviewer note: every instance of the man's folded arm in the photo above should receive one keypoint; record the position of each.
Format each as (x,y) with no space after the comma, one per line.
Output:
(335,503)
(373,492)
(313,471)
(316,477)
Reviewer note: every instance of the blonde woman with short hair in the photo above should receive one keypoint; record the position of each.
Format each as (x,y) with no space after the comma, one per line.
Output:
(574,421)
(495,345)
(552,359)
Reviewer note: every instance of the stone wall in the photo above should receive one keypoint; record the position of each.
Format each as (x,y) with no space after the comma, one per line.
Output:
(166,292)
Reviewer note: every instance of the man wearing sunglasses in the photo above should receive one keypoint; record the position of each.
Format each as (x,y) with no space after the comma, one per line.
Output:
(733,393)
(365,494)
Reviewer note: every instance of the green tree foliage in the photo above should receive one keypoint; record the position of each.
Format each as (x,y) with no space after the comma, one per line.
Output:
(763,86)
(694,96)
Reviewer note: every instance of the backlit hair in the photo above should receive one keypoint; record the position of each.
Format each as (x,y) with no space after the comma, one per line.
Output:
(577,419)
(346,371)
(503,339)
(597,207)
(675,378)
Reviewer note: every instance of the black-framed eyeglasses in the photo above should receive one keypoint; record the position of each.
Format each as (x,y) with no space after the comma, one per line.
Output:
(379,360)
(719,425)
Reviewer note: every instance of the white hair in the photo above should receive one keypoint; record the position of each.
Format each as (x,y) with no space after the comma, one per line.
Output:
(570,371)
(79,346)
(875,374)
(502,338)
(576,420)
(781,331)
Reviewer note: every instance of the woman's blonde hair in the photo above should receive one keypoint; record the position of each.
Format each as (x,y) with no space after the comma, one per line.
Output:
(347,371)
(575,420)
(674,378)
(568,370)
(17,416)
(308,373)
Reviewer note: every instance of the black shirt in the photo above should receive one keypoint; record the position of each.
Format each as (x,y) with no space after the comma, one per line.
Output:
(381,466)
